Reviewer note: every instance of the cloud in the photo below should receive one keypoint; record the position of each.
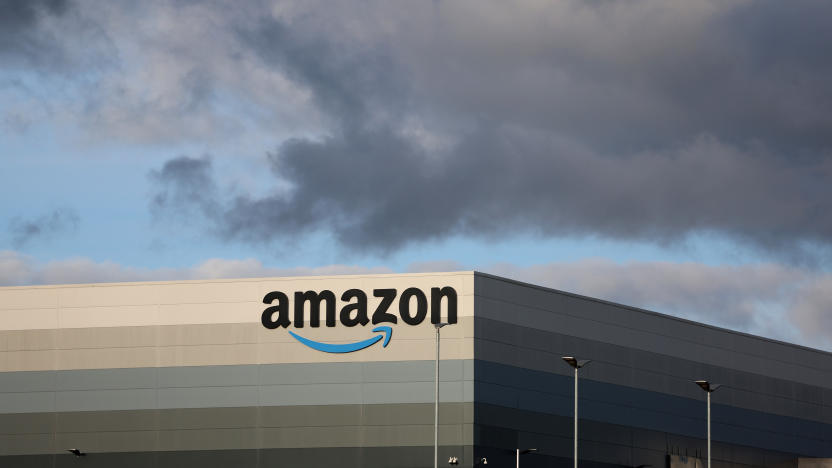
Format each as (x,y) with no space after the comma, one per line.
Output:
(787,303)
(52,38)
(647,121)
(750,298)
(812,311)
(348,82)
(60,221)
(434,266)
(616,76)
(21,37)
(163,72)
(17,269)
(378,191)
(183,184)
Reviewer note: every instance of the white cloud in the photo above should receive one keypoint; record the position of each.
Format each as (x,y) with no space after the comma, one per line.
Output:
(776,301)
(17,269)
(812,311)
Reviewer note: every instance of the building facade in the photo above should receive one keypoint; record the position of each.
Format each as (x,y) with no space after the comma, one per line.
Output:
(339,371)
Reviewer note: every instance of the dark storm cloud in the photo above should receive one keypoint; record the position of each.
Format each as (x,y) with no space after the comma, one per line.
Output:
(346,82)
(24,231)
(624,76)
(182,185)
(640,120)
(21,38)
(378,191)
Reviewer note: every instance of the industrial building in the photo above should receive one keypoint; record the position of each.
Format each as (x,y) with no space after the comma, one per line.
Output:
(338,371)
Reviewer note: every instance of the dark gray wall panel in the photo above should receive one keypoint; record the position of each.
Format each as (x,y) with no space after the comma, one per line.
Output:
(503,429)
(518,303)
(638,401)
(540,350)
(508,386)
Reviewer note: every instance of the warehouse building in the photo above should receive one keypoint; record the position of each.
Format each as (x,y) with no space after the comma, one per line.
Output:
(338,371)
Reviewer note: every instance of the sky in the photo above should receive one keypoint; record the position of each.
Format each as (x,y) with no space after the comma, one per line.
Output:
(669,155)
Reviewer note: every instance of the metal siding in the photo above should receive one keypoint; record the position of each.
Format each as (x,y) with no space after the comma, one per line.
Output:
(544,309)
(666,374)
(235,428)
(229,386)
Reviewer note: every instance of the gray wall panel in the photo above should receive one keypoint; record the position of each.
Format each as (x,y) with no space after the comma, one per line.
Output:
(385,415)
(235,428)
(105,421)
(27,423)
(207,376)
(201,439)
(97,400)
(418,371)
(12,382)
(204,397)
(336,394)
(113,379)
(411,392)
(230,386)
(27,402)
(18,444)
(201,418)
(334,372)
(331,415)
(348,457)
(111,441)
(198,418)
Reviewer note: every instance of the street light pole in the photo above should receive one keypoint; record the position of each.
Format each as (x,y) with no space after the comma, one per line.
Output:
(708,398)
(436,401)
(708,388)
(575,363)
(523,452)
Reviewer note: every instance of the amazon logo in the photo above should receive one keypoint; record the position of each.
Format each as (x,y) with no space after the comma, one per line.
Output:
(413,305)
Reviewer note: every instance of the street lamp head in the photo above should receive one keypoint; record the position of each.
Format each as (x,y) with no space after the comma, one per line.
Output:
(531,450)
(574,362)
(707,386)
(440,325)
